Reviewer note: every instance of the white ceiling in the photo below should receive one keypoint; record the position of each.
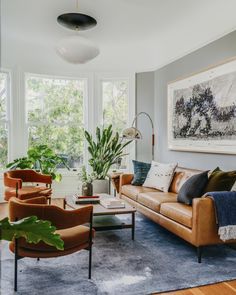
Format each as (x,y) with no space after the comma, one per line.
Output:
(137,35)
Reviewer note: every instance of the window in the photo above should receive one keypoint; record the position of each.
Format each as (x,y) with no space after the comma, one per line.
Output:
(115,104)
(115,110)
(4,118)
(55,115)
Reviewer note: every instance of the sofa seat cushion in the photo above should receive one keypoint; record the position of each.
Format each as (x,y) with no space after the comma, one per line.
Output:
(153,200)
(132,191)
(180,213)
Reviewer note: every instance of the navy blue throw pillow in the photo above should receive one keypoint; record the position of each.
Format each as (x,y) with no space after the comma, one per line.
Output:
(193,188)
(140,172)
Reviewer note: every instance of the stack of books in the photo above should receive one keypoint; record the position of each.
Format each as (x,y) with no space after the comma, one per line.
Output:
(112,203)
(82,200)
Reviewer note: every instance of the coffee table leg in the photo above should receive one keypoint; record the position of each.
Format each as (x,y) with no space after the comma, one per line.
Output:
(133,225)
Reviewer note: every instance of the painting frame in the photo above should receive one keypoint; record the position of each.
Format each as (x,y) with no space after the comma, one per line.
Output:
(216,140)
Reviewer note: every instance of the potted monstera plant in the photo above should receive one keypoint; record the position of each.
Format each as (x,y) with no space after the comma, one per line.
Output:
(105,150)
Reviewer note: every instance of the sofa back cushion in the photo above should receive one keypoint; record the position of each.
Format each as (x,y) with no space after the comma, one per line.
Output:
(180,176)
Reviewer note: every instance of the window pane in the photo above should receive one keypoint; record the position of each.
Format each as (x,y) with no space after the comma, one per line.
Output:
(3,145)
(55,115)
(115,110)
(65,140)
(55,101)
(115,104)
(3,96)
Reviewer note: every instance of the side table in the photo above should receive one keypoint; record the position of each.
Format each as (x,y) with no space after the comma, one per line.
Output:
(114,180)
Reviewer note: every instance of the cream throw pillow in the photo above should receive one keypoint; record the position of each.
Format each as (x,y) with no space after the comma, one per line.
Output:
(160,176)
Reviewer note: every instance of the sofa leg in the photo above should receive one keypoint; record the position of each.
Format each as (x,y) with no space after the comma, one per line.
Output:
(199,254)
(16,265)
(90,262)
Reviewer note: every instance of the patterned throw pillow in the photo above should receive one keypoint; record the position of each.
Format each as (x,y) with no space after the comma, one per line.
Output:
(140,172)
(193,188)
(160,176)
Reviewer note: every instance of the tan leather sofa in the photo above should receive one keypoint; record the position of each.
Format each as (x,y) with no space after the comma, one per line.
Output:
(195,224)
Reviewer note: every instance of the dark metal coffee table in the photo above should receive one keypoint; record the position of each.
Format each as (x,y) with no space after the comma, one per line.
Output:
(107,219)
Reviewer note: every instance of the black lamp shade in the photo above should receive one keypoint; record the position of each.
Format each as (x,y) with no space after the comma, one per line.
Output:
(76,21)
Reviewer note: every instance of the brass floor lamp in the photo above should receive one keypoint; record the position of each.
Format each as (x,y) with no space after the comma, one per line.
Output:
(132,133)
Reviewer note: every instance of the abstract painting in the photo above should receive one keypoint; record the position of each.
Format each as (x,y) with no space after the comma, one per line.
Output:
(202,111)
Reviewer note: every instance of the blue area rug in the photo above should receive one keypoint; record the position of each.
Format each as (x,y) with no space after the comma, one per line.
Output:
(156,261)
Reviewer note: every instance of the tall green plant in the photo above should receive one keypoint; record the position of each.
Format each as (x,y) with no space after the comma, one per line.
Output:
(105,150)
(42,158)
(32,229)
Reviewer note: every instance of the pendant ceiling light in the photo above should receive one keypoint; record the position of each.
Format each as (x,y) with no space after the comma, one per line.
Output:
(77,49)
(77,21)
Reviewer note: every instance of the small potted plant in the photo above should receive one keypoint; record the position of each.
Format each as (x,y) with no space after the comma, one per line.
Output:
(87,182)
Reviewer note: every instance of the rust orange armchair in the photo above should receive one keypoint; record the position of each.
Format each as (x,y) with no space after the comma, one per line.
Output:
(14,179)
(69,223)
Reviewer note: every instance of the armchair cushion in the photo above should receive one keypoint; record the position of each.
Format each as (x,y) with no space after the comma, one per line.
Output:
(72,237)
(27,192)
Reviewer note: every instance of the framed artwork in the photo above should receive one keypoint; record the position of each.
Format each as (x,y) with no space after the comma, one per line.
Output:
(202,111)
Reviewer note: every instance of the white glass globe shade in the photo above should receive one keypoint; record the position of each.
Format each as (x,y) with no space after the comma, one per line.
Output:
(77,49)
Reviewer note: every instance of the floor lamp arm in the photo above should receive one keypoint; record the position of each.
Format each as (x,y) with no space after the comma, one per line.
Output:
(153,135)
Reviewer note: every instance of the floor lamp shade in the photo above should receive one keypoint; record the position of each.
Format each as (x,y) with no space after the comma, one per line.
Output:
(133,133)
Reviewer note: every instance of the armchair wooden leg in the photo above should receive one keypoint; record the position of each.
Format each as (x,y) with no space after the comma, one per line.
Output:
(90,244)
(16,265)
(199,254)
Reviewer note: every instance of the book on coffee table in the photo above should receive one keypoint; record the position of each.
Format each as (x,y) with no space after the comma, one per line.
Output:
(81,200)
(112,203)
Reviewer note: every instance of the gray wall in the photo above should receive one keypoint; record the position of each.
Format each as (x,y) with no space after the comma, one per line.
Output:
(144,103)
(211,54)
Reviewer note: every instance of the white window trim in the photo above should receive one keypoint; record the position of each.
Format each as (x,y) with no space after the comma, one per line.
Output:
(9,115)
(86,104)
(18,133)
(130,77)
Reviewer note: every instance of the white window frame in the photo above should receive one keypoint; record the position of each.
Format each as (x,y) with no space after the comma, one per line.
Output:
(86,104)
(130,77)
(8,120)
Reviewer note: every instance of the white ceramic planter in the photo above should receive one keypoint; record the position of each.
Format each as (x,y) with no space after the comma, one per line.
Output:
(101,186)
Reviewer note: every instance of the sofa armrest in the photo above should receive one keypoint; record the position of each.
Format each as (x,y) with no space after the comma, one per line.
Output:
(204,222)
(126,179)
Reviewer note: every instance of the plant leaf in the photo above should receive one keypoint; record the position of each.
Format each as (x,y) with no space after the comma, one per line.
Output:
(32,229)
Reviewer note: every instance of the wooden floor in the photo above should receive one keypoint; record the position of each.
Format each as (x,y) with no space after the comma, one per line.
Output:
(225,288)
